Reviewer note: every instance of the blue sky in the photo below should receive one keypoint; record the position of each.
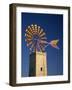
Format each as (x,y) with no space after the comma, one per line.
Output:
(53,27)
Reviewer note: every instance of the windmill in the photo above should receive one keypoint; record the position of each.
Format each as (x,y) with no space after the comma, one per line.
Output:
(37,42)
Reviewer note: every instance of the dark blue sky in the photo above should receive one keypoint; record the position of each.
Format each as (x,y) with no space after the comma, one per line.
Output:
(53,27)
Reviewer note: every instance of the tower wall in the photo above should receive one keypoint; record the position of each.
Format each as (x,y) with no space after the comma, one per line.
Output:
(38,64)
(41,64)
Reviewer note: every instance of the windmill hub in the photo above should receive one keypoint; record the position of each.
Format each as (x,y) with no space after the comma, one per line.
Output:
(36,38)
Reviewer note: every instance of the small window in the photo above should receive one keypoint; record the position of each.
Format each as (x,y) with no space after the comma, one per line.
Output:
(41,68)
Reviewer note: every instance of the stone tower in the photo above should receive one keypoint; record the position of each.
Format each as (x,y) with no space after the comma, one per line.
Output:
(38,64)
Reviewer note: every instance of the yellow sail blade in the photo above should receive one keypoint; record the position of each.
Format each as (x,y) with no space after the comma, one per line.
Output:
(29,43)
(28,40)
(32,46)
(43,38)
(30,29)
(42,34)
(27,35)
(32,26)
(35,28)
(40,31)
(29,32)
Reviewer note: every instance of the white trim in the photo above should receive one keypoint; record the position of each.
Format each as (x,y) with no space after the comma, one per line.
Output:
(63,77)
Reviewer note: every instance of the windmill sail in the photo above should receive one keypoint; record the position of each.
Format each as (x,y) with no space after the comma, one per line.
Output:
(36,38)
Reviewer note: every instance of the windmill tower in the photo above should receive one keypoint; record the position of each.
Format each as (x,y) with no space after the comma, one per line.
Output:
(38,62)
